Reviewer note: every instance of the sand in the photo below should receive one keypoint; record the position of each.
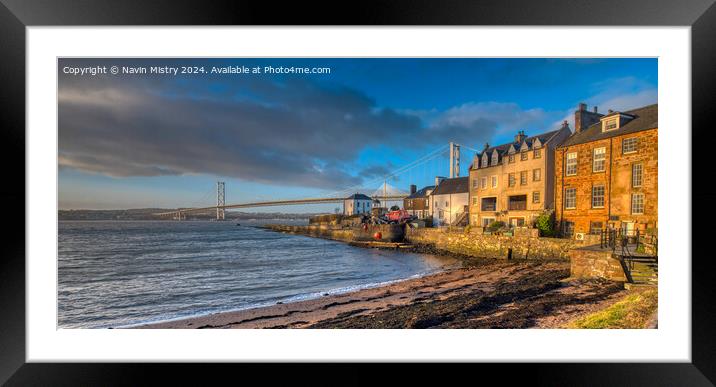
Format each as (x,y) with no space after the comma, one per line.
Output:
(496,294)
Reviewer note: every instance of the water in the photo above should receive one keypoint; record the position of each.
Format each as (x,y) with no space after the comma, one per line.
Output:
(114,274)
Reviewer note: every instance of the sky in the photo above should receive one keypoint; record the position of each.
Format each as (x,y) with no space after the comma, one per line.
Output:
(163,140)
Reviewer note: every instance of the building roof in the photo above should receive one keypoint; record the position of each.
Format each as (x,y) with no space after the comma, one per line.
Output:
(452,186)
(646,117)
(422,193)
(359,196)
(504,148)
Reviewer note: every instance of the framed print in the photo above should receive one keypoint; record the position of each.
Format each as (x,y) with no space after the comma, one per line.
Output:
(423,183)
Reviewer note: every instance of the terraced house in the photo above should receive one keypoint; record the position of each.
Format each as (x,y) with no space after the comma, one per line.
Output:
(514,182)
(607,172)
(418,202)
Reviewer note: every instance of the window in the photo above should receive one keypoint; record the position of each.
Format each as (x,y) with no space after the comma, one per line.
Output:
(517,203)
(447,204)
(610,124)
(484,160)
(489,204)
(494,181)
(637,203)
(571,165)
(599,159)
(483,182)
(570,198)
(535,197)
(568,228)
(511,159)
(536,174)
(487,221)
(636,175)
(523,178)
(595,228)
(511,180)
(474,200)
(598,196)
(474,183)
(494,158)
(523,156)
(629,145)
(537,154)
(426,203)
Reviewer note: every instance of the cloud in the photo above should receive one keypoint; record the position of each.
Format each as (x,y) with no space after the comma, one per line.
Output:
(483,120)
(294,133)
(618,94)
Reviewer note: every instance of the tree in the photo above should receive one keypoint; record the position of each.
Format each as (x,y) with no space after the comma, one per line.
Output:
(394,208)
(545,224)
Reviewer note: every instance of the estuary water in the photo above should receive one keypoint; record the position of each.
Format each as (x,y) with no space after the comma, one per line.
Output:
(123,273)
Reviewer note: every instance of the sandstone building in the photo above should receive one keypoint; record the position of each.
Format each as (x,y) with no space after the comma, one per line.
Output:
(514,182)
(607,172)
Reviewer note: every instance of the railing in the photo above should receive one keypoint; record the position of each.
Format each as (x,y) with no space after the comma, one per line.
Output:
(517,206)
(619,238)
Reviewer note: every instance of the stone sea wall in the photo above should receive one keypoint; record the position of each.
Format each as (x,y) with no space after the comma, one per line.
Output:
(319,231)
(586,261)
(493,246)
(594,263)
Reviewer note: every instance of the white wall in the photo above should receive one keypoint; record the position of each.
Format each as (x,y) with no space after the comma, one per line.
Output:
(455,205)
(353,207)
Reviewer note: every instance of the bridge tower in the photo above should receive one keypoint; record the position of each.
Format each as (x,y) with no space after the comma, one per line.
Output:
(220,200)
(454,160)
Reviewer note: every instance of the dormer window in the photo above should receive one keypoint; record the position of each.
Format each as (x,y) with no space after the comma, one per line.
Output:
(615,120)
(484,160)
(495,158)
(610,124)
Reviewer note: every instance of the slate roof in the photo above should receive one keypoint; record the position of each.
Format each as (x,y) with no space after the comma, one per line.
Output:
(452,186)
(422,193)
(359,196)
(504,148)
(647,117)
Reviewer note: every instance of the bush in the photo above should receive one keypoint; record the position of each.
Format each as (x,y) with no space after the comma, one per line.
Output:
(494,226)
(394,208)
(545,225)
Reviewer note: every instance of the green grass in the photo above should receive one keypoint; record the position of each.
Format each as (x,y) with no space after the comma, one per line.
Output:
(633,311)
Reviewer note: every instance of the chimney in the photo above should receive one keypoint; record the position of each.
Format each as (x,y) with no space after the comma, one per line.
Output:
(487,146)
(520,136)
(565,124)
(413,188)
(438,179)
(584,118)
(610,111)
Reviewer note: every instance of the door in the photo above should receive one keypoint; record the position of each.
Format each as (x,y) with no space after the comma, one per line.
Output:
(628,229)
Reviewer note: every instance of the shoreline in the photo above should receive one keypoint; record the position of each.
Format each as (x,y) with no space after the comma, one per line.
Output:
(304,297)
(494,294)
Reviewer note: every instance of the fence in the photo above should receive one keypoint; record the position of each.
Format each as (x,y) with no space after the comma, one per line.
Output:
(619,238)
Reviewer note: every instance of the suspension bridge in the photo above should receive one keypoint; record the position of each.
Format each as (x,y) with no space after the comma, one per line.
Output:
(421,170)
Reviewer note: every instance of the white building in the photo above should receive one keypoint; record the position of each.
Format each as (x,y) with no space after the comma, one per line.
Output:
(357,204)
(449,201)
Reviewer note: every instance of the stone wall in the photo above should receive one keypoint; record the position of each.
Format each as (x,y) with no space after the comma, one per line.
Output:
(319,231)
(617,181)
(493,246)
(596,263)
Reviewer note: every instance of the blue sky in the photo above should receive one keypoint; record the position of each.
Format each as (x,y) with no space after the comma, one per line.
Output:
(134,141)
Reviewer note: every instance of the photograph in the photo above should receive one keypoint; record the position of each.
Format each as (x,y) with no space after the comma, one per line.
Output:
(357,192)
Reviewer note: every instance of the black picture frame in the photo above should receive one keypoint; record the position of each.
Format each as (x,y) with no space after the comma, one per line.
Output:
(15,15)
